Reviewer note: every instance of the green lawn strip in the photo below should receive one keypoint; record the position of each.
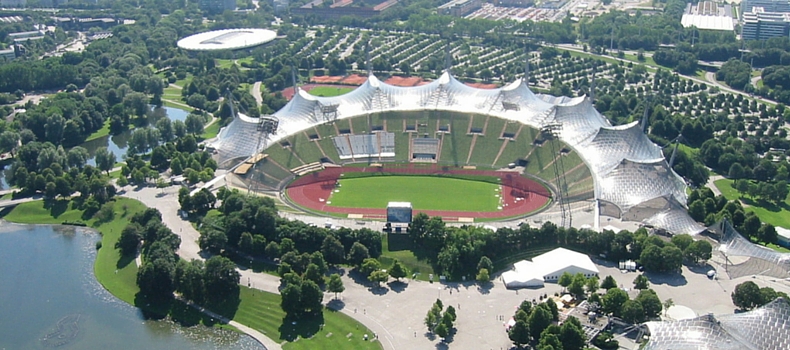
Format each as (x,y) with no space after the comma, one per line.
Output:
(261,311)
(767,212)
(329,91)
(211,131)
(171,104)
(104,131)
(400,246)
(424,192)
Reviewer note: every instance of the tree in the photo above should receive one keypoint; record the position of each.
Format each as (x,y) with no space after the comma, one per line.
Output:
(398,271)
(378,276)
(641,282)
(633,312)
(592,285)
(291,297)
(668,304)
(9,141)
(577,286)
(650,303)
(552,306)
(565,279)
(700,250)
(311,297)
(358,254)
(156,279)
(746,295)
(105,160)
(572,334)
(194,124)
(519,334)
(483,277)
(221,279)
(335,284)
(608,283)
(368,266)
(441,330)
(485,263)
(333,250)
(613,301)
(313,274)
(130,239)
(539,320)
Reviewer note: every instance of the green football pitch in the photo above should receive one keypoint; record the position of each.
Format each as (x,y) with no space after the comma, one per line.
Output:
(424,192)
(328,91)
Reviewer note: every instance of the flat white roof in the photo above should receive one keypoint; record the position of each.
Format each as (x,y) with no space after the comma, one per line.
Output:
(547,264)
(561,258)
(781,231)
(707,22)
(227,39)
(399,205)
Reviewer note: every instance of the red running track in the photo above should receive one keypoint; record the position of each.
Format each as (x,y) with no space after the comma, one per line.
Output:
(520,194)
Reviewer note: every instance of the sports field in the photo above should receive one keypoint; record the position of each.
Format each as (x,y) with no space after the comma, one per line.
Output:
(424,192)
(328,91)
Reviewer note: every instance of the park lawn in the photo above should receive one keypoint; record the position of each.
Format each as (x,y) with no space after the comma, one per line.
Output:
(117,276)
(399,246)
(104,131)
(767,212)
(171,104)
(227,63)
(328,91)
(261,311)
(211,131)
(424,193)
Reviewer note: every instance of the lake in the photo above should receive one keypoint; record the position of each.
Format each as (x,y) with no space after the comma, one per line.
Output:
(118,144)
(49,298)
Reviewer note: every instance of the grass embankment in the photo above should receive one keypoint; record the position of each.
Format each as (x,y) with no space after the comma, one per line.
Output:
(104,131)
(257,309)
(328,91)
(424,192)
(262,312)
(400,246)
(211,131)
(117,275)
(777,215)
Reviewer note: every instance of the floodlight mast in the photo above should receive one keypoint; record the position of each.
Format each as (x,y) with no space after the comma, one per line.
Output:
(267,125)
(559,174)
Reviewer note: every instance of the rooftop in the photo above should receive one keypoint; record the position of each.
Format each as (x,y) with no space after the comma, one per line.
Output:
(227,39)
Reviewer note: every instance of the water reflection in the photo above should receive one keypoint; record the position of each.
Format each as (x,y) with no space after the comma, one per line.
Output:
(49,298)
(118,144)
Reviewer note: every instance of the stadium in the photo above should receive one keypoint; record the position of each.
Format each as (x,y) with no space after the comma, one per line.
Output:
(227,39)
(511,153)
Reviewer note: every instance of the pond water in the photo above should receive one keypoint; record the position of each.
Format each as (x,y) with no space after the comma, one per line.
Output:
(118,144)
(49,298)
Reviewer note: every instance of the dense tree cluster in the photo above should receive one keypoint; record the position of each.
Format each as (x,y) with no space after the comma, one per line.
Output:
(251,225)
(443,324)
(748,295)
(458,251)
(534,324)
(709,209)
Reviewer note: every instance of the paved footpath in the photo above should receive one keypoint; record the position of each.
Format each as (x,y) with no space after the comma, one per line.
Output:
(395,311)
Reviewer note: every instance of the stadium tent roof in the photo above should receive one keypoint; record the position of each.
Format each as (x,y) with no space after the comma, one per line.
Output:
(627,167)
(766,328)
(548,267)
(227,39)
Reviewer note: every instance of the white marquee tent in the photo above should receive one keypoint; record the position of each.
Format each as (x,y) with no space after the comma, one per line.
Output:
(548,267)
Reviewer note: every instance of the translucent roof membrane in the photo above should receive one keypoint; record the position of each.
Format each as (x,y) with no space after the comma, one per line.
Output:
(766,328)
(627,168)
(763,261)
